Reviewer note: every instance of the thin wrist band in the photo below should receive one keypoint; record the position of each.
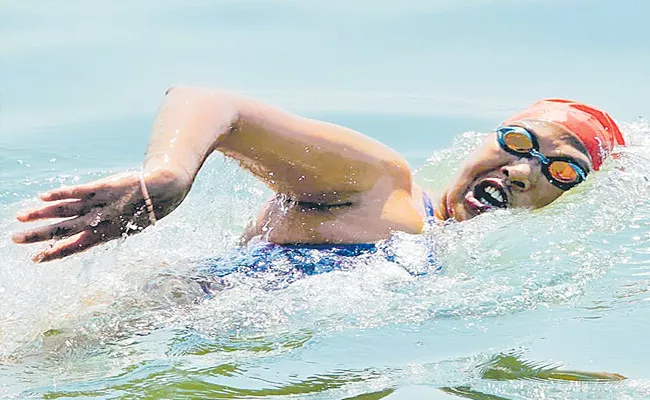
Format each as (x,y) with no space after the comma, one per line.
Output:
(147,199)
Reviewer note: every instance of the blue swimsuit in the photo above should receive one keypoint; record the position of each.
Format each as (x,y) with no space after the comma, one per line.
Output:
(289,262)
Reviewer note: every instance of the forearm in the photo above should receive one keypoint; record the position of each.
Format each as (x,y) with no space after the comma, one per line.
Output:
(187,127)
(309,160)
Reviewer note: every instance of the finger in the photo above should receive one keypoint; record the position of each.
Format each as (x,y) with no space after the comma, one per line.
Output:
(75,244)
(54,231)
(63,209)
(85,191)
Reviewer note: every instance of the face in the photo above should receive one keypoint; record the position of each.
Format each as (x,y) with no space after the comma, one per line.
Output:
(493,178)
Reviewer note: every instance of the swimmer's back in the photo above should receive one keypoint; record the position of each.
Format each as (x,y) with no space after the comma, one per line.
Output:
(367,219)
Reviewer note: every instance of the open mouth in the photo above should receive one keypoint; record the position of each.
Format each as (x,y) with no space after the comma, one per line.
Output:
(491,193)
(487,195)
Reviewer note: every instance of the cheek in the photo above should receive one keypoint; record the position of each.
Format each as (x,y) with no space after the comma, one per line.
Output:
(541,196)
(486,158)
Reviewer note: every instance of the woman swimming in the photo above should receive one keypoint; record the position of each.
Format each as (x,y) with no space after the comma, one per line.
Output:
(334,186)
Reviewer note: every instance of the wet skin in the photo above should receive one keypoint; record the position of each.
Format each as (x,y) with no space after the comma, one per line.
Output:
(331,184)
(519,181)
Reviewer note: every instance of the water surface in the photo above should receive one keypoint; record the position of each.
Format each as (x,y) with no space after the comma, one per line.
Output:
(530,303)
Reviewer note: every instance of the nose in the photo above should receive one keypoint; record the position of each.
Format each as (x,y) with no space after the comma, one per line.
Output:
(522,174)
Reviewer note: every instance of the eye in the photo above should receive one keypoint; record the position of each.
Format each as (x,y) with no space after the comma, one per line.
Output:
(518,142)
(563,171)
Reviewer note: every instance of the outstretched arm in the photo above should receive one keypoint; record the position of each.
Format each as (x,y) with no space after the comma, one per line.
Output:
(310,161)
(306,159)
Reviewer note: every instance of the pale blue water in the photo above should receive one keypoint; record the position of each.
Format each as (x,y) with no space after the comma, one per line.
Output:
(522,291)
(565,286)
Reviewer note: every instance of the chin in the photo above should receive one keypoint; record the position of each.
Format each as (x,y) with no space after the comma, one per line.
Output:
(441,212)
(451,210)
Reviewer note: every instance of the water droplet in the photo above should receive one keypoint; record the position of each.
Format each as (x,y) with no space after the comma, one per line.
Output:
(96,220)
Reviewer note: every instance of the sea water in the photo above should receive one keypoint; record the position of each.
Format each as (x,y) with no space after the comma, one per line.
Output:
(549,303)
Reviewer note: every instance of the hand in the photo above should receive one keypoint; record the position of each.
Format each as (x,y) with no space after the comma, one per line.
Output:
(99,211)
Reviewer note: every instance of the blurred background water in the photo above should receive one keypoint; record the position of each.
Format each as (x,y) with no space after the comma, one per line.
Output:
(521,293)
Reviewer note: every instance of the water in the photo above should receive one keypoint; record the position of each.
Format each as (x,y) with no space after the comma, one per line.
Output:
(531,304)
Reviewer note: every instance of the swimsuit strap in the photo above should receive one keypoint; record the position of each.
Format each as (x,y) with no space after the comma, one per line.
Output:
(431,219)
(428,207)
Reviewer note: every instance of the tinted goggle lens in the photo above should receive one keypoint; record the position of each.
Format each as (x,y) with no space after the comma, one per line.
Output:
(563,171)
(518,141)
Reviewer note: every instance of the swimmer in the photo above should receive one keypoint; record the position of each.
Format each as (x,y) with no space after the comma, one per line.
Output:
(342,187)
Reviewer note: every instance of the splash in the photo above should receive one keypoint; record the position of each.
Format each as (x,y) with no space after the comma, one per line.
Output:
(133,310)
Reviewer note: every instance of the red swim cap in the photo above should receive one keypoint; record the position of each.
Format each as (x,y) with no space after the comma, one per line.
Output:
(595,128)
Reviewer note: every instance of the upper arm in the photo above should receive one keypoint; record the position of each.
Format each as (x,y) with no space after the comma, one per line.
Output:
(310,160)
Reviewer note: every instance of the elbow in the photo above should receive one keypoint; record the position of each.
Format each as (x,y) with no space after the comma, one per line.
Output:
(183,89)
(220,105)
(200,93)
(207,115)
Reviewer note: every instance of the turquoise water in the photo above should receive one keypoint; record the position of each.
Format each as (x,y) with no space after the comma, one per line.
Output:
(531,304)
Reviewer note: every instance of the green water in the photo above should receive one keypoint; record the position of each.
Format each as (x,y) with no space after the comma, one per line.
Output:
(531,304)
(548,304)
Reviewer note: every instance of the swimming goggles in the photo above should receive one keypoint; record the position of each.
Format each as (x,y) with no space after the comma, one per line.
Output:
(563,172)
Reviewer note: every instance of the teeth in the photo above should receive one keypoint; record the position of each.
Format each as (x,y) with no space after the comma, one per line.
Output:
(494,193)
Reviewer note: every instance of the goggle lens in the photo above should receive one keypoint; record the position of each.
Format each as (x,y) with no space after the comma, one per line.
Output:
(563,172)
(518,142)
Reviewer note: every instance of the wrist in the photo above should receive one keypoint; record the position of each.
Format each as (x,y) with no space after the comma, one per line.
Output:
(167,188)
(147,199)
(160,167)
